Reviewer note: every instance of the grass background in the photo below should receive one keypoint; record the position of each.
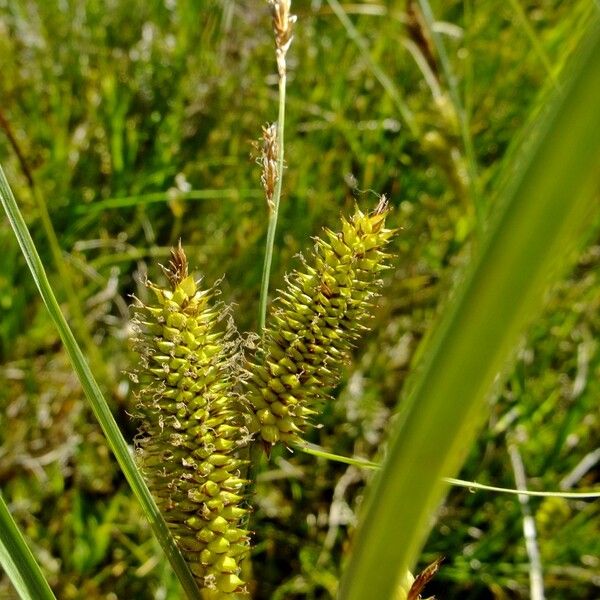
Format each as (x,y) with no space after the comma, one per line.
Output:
(134,123)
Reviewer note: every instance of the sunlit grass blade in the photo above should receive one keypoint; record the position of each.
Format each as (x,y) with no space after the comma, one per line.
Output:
(92,391)
(537,225)
(274,210)
(18,561)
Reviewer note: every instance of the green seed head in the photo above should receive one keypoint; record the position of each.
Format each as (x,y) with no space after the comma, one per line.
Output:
(316,319)
(192,431)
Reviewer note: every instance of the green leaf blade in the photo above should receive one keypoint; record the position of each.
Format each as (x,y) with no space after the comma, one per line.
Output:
(539,219)
(18,561)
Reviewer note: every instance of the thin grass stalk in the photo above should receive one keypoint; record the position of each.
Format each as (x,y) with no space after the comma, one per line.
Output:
(92,391)
(18,561)
(588,462)
(274,211)
(538,221)
(362,463)
(468,64)
(282,25)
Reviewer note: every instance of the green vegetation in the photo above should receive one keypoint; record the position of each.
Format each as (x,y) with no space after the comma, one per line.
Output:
(126,126)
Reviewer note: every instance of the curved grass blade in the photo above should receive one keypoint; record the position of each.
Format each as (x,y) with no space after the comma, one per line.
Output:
(538,222)
(92,391)
(18,561)
(362,463)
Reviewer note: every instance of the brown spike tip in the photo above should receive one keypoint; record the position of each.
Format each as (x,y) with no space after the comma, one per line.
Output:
(178,266)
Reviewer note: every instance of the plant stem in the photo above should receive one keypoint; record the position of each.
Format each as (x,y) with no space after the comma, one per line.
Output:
(274,214)
(535,41)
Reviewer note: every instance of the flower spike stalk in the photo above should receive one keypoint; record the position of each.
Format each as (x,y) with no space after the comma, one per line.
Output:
(316,319)
(192,431)
(273,144)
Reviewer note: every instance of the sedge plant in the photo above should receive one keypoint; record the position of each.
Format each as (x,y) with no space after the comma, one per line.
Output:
(195,422)
(202,403)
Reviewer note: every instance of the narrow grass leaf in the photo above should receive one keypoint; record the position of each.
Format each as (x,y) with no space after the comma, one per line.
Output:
(362,463)
(154,197)
(92,391)
(18,561)
(537,224)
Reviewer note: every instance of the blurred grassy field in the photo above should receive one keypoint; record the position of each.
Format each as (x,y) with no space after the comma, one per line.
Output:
(130,125)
